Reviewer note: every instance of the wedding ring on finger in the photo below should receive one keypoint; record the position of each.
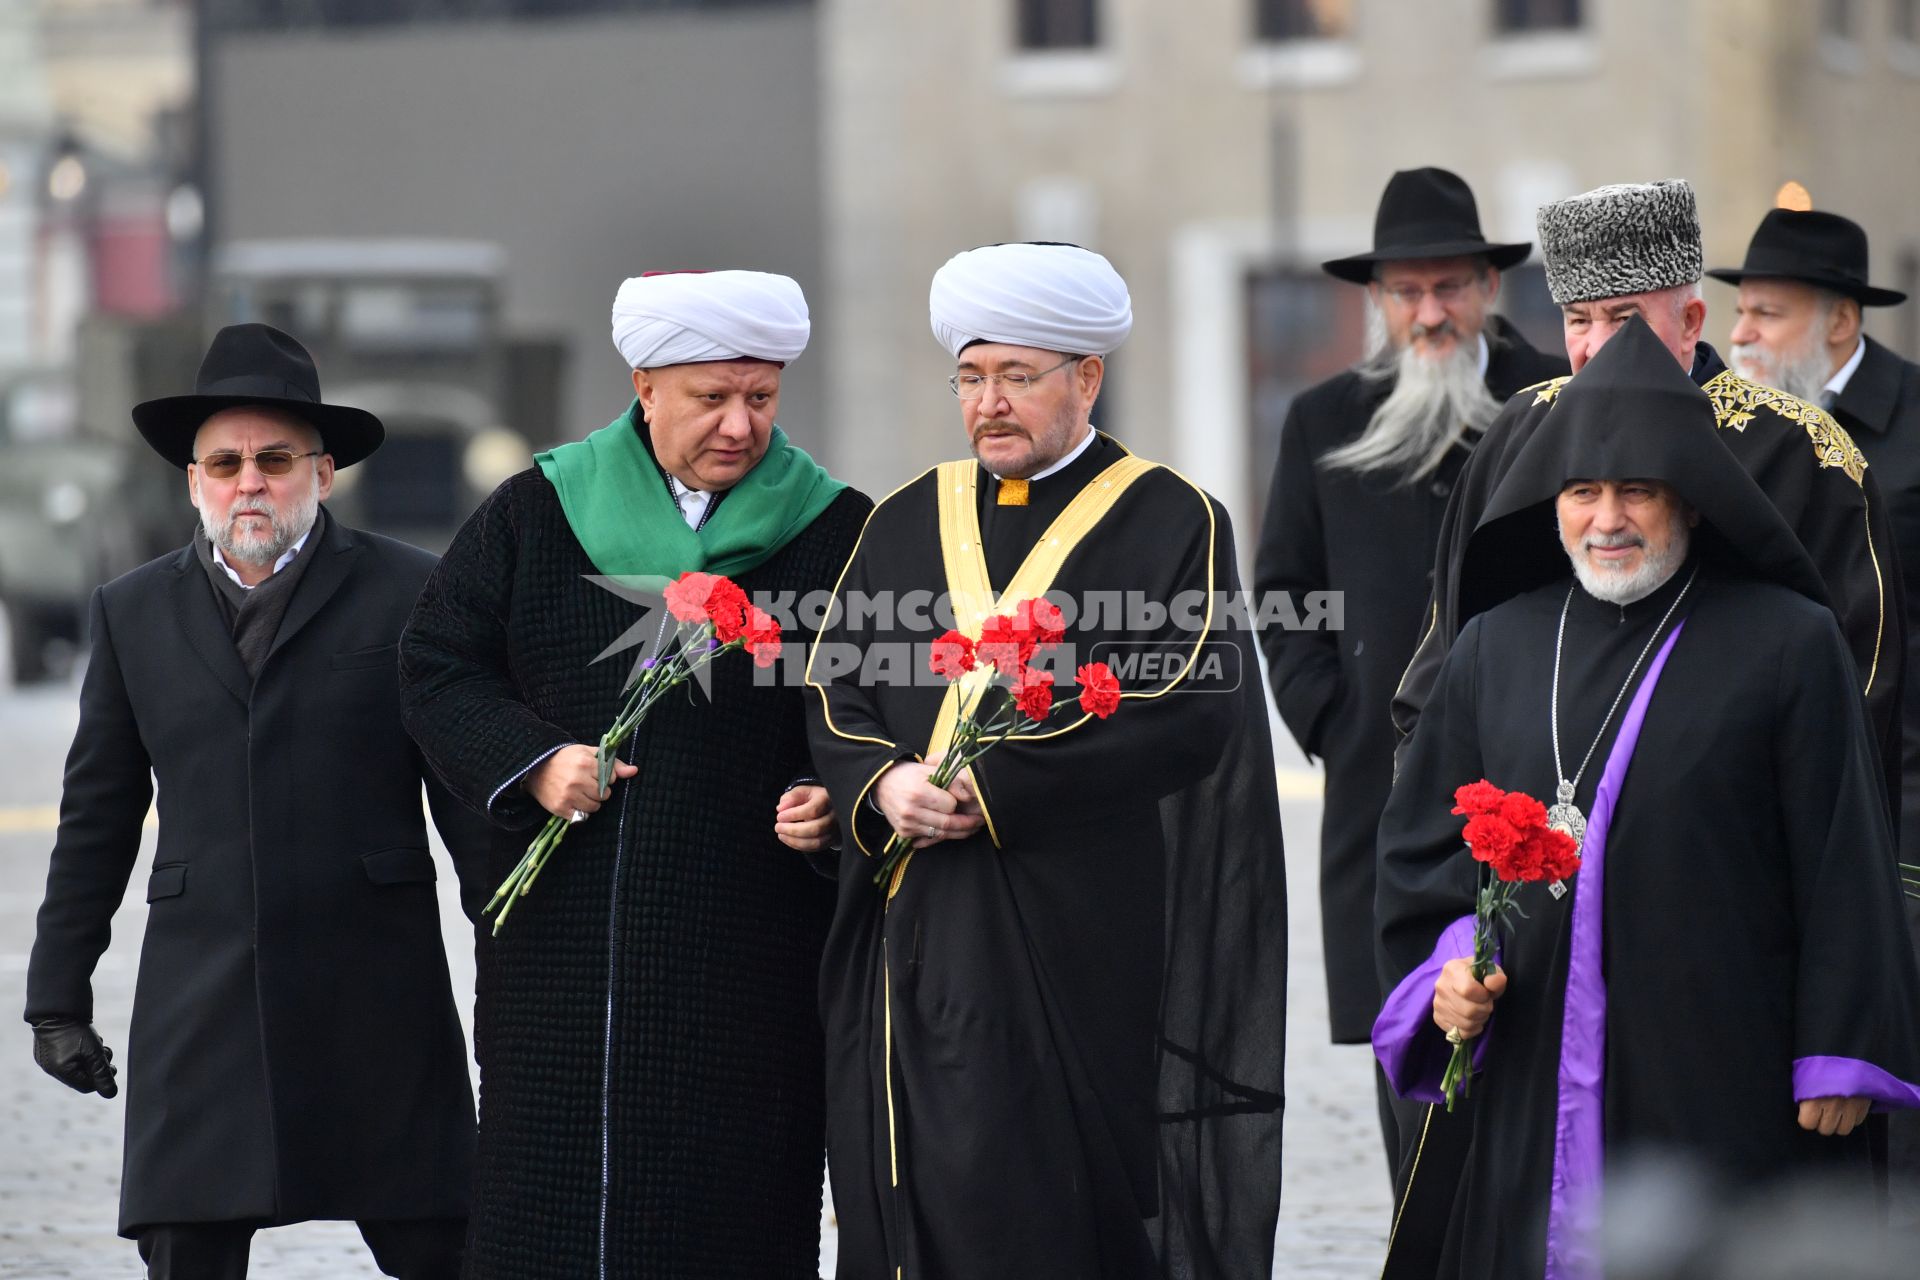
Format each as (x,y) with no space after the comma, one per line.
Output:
(1455,1037)
(577,816)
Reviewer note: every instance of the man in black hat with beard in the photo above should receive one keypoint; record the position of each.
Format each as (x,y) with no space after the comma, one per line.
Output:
(1647,649)
(295,1052)
(1798,329)
(1367,459)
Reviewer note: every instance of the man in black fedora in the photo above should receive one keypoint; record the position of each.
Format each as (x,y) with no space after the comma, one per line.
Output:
(1798,328)
(294,1051)
(1367,459)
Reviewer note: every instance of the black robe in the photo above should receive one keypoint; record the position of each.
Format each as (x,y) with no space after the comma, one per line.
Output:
(295,1050)
(1060,1052)
(650,1061)
(1752,910)
(1880,408)
(1371,539)
(1802,460)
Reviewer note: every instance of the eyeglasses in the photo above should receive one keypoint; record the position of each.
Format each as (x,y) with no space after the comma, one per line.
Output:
(1446,292)
(272,462)
(970,386)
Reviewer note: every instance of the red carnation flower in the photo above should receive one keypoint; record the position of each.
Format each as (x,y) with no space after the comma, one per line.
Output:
(1099,691)
(1004,645)
(1041,619)
(687,598)
(1033,693)
(763,637)
(1523,811)
(727,607)
(1560,855)
(1477,797)
(1492,839)
(951,656)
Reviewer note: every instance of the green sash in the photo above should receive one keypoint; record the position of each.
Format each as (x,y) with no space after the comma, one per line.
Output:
(617,504)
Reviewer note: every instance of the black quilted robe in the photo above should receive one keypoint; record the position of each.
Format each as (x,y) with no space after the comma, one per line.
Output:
(649,1043)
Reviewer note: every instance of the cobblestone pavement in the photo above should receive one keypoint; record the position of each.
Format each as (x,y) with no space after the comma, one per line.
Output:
(60,1156)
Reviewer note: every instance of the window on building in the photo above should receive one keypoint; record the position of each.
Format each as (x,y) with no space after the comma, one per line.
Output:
(1838,19)
(1516,17)
(1058,24)
(1302,19)
(1302,327)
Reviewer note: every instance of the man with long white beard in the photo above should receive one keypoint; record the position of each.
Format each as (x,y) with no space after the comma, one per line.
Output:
(1797,327)
(295,1052)
(1367,459)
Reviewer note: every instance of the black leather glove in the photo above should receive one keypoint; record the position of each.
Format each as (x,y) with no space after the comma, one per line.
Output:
(69,1050)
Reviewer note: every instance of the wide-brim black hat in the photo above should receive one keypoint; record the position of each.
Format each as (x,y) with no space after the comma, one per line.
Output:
(1813,247)
(1425,213)
(256,364)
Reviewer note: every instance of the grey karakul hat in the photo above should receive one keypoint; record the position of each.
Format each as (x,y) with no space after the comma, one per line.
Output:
(1628,238)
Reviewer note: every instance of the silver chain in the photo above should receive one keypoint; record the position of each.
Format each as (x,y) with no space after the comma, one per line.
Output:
(1559,643)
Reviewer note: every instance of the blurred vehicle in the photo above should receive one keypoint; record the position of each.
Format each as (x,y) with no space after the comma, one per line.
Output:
(63,525)
(409,330)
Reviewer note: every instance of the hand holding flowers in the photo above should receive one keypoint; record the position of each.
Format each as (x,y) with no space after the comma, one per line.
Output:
(1014,699)
(712,616)
(1508,832)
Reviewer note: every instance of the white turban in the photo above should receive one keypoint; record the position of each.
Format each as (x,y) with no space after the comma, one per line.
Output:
(1057,297)
(686,316)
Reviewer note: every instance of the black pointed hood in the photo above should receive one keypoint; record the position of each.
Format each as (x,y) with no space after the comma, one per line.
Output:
(1631,413)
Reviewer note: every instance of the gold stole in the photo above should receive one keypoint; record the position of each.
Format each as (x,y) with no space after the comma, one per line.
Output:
(970,589)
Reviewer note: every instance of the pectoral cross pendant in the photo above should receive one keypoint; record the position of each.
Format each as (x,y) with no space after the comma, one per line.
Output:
(1564,815)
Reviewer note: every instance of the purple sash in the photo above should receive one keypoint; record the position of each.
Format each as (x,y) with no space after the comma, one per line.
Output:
(1578,1133)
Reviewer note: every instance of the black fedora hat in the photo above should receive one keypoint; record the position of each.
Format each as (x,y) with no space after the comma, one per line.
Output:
(249,364)
(1813,247)
(1425,213)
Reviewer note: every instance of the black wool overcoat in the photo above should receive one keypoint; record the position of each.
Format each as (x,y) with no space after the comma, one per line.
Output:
(295,1051)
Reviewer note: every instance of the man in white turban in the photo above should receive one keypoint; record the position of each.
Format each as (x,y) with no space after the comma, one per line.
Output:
(650,1056)
(1055,1033)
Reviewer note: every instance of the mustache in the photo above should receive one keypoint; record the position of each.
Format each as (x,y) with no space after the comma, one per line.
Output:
(1612,541)
(1004,425)
(1443,329)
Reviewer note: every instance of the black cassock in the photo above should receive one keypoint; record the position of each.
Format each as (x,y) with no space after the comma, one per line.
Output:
(1746,928)
(1371,538)
(1752,908)
(1058,1049)
(650,1091)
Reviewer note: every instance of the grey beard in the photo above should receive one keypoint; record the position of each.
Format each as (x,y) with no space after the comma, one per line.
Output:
(1801,373)
(288,526)
(1434,405)
(1615,587)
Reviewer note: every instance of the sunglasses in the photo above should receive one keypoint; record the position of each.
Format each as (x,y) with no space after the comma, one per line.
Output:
(272,462)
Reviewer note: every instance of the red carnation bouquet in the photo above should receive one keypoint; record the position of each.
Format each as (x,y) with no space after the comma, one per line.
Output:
(711,616)
(1007,645)
(1508,831)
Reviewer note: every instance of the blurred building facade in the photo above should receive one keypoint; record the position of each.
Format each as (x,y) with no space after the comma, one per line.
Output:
(589,140)
(1217,150)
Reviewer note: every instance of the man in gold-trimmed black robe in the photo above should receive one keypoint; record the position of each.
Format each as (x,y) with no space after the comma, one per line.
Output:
(1056,1047)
